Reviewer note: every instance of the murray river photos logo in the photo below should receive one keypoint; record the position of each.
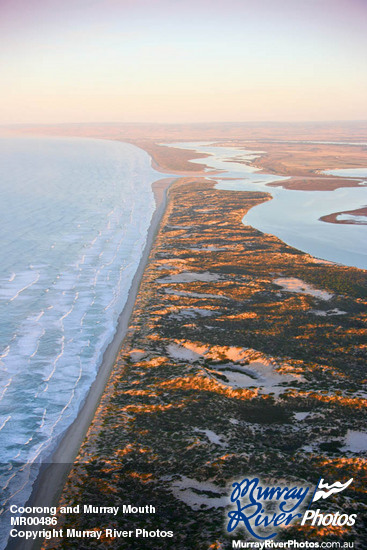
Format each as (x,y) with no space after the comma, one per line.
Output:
(263,509)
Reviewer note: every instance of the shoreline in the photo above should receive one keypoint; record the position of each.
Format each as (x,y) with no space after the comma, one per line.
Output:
(202,169)
(47,487)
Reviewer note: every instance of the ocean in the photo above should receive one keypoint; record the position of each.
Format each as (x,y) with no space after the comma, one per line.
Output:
(74,217)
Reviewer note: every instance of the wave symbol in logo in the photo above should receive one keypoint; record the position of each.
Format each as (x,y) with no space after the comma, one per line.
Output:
(323,490)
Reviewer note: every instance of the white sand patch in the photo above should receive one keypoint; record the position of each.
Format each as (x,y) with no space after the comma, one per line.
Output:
(362,394)
(199,494)
(292,284)
(198,349)
(195,312)
(212,436)
(328,313)
(221,353)
(167,267)
(301,415)
(189,277)
(182,354)
(242,367)
(137,355)
(258,374)
(355,441)
(216,353)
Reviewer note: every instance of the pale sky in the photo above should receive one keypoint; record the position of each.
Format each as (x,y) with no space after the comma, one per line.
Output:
(182,61)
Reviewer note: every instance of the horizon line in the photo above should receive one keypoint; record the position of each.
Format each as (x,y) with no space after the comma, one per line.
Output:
(339,121)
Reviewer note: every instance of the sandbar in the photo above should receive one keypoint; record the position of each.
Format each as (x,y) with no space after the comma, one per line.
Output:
(360,215)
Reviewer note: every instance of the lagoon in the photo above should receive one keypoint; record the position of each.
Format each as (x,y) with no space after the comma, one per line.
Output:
(292,215)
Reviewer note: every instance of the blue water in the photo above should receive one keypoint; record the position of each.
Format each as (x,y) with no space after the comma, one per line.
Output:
(292,215)
(74,218)
(348,172)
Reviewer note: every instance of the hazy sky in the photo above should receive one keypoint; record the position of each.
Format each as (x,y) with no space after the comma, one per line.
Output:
(182,60)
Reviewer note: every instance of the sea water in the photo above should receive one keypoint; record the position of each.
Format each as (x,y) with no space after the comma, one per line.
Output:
(74,220)
(293,216)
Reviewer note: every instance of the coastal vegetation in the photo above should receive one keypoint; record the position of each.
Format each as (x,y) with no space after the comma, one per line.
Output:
(227,373)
